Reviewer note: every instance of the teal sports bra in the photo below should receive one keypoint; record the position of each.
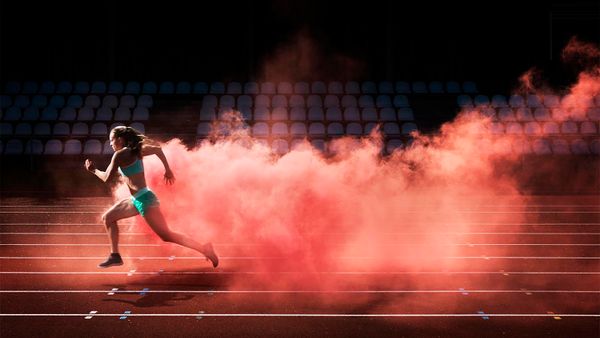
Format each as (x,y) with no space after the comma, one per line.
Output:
(132,169)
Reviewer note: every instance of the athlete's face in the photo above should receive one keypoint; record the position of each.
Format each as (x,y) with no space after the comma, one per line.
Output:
(116,142)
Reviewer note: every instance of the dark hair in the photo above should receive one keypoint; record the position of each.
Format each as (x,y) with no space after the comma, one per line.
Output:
(133,138)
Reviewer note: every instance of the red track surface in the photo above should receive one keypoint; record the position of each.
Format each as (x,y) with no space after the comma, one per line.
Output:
(539,278)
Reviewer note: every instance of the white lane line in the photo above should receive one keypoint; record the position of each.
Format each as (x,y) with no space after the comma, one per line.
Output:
(299,291)
(400,212)
(399,233)
(311,315)
(282,257)
(303,273)
(424,223)
(51,244)
(394,245)
(109,204)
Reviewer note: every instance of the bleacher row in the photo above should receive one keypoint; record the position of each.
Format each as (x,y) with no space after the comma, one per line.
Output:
(186,87)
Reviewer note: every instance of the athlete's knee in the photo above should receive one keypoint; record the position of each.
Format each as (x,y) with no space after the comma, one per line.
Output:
(107,220)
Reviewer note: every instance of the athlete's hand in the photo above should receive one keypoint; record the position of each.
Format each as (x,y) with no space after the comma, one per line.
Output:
(89,165)
(169,177)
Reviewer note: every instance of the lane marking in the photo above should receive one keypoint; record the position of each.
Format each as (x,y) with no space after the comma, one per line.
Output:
(351,315)
(209,292)
(282,257)
(300,272)
(91,314)
(426,223)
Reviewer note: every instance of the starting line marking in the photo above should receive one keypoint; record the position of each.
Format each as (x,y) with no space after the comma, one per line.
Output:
(210,292)
(299,272)
(354,315)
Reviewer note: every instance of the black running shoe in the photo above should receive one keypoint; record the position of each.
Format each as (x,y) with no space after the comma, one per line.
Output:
(210,254)
(113,260)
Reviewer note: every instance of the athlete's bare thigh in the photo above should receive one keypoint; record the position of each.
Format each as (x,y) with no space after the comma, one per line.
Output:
(122,209)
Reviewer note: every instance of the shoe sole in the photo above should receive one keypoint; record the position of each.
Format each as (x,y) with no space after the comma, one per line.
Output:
(109,265)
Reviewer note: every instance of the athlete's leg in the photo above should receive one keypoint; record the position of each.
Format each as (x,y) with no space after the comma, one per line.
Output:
(121,209)
(156,221)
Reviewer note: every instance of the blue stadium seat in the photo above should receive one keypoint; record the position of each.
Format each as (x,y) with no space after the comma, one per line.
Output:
(115,87)
(80,129)
(569,127)
(99,129)
(534,101)
(13,147)
(532,128)
(49,114)
(260,129)
(279,129)
(5,101)
(166,88)
(34,147)
(514,128)
(98,87)
(516,101)
(335,129)
(550,128)
(352,88)
(354,129)
(579,147)
(138,126)
(262,114)
(464,101)
(469,87)
(92,101)
(499,101)
(234,88)
(279,114)
(298,129)
(92,147)
(279,101)
(391,129)
(85,114)
(127,101)
(401,101)
(387,114)
(453,87)
(588,128)
(262,101)
(280,147)
(31,114)
(6,129)
(316,129)
(81,87)
(21,101)
(593,114)
(107,149)
(349,101)
(335,87)
(436,87)
(104,114)
(217,87)
(42,129)
(285,88)
(203,129)
(149,87)
(29,87)
(184,88)
(402,87)
(145,101)
(12,114)
(331,101)
(351,114)
(369,114)
(551,101)
(57,101)
(383,101)
(53,147)
(72,147)
(61,129)
(47,87)
(297,101)
(489,113)
(524,114)
(506,114)
(208,101)
(133,87)
(207,114)
(366,101)
(560,147)
(200,88)
(419,87)
(408,128)
(314,101)
(386,87)
(298,114)
(64,87)
(301,88)
(246,113)
(110,101)
(542,114)
(481,101)
(316,114)
(318,87)
(74,101)
(368,87)
(67,114)
(496,128)
(251,88)
(23,129)
(12,87)
(369,127)
(244,101)
(122,114)
(392,145)
(405,114)
(333,114)
(227,101)
(522,147)
(268,88)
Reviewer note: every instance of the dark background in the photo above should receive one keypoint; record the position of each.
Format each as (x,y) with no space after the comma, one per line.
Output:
(491,42)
